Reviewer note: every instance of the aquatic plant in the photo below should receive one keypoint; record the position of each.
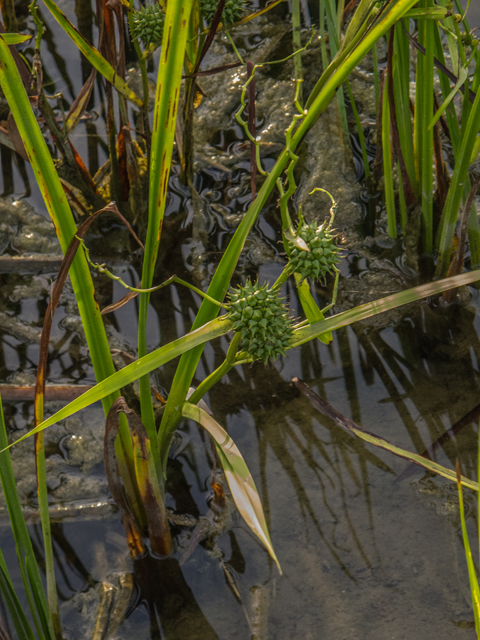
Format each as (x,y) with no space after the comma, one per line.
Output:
(261,322)
(148,25)
(233,10)
(318,256)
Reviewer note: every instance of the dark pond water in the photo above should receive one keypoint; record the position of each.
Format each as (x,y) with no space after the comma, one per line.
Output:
(363,556)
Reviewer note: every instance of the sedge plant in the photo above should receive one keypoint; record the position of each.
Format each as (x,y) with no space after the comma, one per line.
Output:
(256,317)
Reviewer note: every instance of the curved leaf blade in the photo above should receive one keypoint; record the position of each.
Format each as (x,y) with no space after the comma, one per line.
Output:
(93,55)
(375,307)
(239,478)
(15,38)
(348,425)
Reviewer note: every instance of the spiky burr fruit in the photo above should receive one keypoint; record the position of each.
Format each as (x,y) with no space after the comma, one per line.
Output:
(263,320)
(148,25)
(313,252)
(232,11)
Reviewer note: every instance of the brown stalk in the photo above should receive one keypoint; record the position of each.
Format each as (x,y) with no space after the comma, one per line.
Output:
(441,67)
(442,184)
(132,528)
(152,500)
(11,393)
(47,324)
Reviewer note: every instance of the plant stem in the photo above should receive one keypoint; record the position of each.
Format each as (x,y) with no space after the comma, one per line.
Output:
(218,374)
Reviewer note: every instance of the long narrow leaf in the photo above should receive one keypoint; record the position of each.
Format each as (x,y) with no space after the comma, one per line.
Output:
(243,489)
(387,161)
(14,607)
(169,82)
(384,304)
(147,479)
(371,438)
(310,307)
(463,75)
(93,55)
(472,574)
(61,215)
(31,579)
(15,38)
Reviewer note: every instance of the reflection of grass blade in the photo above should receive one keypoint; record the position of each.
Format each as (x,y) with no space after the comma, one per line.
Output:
(472,574)
(93,55)
(239,478)
(371,438)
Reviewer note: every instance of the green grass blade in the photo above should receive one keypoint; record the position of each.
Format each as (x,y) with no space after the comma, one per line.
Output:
(14,607)
(371,438)
(163,134)
(384,304)
(463,75)
(58,209)
(42,493)
(93,55)
(310,307)
(425,88)
(469,133)
(387,163)
(224,272)
(31,579)
(472,574)
(15,38)
(136,370)
(434,467)
(401,89)
(61,215)
(297,43)
(243,489)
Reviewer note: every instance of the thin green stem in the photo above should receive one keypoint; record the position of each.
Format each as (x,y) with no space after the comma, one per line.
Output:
(237,52)
(218,374)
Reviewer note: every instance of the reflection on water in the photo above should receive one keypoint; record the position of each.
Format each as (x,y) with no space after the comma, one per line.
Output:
(362,556)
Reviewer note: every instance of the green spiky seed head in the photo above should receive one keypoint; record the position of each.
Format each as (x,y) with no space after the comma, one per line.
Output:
(262,318)
(232,11)
(322,255)
(148,25)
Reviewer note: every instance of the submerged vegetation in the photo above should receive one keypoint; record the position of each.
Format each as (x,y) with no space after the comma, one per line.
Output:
(425,149)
